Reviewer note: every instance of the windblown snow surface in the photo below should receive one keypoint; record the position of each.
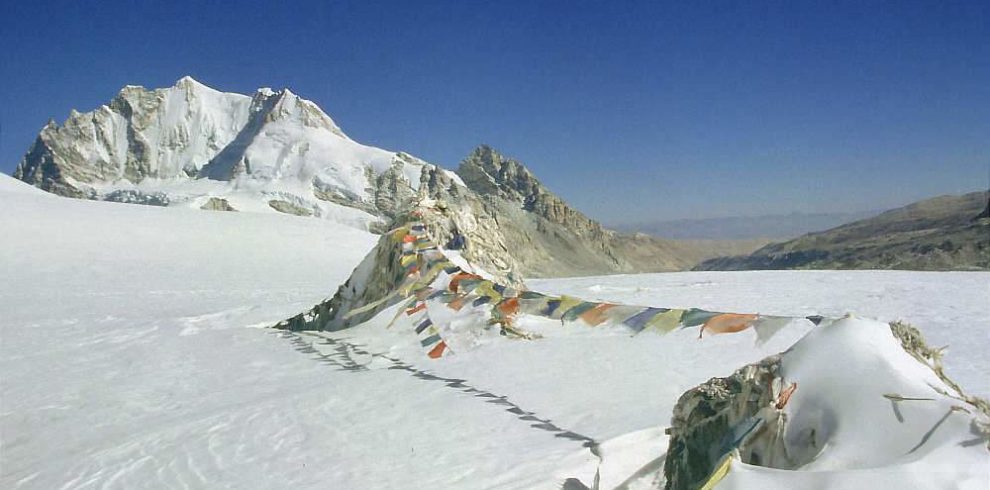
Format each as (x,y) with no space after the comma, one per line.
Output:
(132,356)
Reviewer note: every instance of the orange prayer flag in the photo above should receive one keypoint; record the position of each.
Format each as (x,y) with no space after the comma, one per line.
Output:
(728,323)
(596,316)
(419,307)
(456,280)
(437,350)
(509,307)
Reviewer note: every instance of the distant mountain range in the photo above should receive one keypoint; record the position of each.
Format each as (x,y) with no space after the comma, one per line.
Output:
(778,226)
(192,146)
(942,233)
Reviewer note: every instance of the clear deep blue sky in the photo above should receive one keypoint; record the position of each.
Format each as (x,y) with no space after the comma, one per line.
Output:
(629,110)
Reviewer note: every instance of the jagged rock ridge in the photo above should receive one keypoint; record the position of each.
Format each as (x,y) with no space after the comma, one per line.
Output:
(488,172)
(549,237)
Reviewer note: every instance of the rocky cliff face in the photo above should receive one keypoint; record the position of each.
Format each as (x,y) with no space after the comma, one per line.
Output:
(548,236)
(947,232)
(140,134)
(489,173)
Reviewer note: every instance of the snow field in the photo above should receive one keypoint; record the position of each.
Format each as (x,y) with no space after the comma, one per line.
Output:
(128,361)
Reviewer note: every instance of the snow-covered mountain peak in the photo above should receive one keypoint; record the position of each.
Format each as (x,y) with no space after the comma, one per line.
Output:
(190,82)
(189,143)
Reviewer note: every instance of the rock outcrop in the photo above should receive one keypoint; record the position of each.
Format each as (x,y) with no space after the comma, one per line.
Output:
(448,216)
(720,415)
(217,204)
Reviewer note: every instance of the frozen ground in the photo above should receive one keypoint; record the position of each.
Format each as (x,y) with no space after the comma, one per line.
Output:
(128,360)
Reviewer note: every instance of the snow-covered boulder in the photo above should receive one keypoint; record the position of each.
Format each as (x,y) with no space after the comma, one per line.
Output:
(852,394)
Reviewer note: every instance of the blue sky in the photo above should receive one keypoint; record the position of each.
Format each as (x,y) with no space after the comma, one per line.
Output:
(631,111)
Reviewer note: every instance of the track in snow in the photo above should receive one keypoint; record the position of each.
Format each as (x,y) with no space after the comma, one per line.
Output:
(340,356)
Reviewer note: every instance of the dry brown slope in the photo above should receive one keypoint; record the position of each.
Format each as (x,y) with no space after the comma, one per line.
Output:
(942,233)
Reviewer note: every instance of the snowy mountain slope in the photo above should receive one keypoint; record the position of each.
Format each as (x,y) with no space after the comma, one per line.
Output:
(10,185)
(126,362)
(184,144)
